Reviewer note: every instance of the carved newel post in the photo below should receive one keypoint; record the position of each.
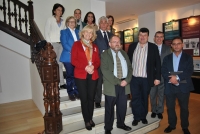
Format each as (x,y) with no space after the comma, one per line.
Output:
(49,73)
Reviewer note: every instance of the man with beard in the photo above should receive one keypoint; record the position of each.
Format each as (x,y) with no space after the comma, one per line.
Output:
(117,72)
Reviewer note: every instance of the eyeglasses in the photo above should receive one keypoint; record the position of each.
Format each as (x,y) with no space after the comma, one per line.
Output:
(176,44)
(115,42)
(71,21)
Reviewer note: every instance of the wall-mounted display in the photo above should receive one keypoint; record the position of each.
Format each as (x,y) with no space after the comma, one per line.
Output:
(120,34)
(188,29)
(171,30)
(135,34)
(128,36)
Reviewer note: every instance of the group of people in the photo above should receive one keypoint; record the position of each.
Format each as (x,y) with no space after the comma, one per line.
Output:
(92,56)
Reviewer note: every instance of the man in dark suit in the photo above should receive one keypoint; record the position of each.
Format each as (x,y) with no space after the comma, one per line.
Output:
(102,43)
(77,15)
(157,92)
(177,85)
(146,73)
(116,69)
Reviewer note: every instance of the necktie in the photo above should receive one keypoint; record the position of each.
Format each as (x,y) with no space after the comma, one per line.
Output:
(105,38)
(159,49)
(119,67)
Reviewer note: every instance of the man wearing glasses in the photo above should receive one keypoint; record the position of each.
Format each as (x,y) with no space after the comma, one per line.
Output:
(117,71)
(177,69)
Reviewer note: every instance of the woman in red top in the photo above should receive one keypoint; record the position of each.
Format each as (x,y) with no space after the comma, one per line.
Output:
(85,58)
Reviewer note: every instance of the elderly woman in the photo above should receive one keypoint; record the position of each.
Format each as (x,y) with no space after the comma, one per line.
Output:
(53,26)
(67,38)
(90,20)
(85,58)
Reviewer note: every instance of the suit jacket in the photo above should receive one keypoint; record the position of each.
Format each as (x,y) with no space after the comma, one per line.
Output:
(79,60)
(107,68)
(153,61)
(67,42)
(100,42)
(166,50)
(185,65)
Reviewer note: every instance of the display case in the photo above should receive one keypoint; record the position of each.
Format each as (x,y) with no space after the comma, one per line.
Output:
(120,34)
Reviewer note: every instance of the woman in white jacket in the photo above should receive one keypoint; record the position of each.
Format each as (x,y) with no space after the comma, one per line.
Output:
(53,26)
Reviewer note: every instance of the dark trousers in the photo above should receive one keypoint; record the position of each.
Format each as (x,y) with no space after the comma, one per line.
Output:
(139,90)
(183,99)
(99,87)
(121,106)
(86,88)
(71,86)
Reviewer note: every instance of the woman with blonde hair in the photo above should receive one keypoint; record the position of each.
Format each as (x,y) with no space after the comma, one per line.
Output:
(67,38)
(85,58)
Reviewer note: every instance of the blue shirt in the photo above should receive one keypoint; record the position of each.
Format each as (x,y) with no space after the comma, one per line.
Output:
(176,61)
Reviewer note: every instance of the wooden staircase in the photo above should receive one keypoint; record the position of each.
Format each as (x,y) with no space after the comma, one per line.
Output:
(61,115)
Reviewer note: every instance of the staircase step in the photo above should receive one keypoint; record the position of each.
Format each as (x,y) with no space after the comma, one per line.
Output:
(75,122)
(76,109)
(139,129)
(71,107)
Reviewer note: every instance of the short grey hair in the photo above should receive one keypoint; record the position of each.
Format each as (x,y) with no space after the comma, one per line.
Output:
(103,18)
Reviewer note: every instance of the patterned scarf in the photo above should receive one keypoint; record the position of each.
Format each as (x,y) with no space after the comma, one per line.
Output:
(88,49)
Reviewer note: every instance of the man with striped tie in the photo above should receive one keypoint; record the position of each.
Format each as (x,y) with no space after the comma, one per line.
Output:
(117,73)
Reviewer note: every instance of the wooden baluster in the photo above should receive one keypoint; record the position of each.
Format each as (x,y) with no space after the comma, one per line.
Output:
(4,11)
(20,21)
(26,22)
(52,100)
(57,99)
(15,15)
(9,14)
(46,102)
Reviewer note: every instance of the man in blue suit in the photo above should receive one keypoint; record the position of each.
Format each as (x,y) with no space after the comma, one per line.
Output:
(177,85)
(102,42)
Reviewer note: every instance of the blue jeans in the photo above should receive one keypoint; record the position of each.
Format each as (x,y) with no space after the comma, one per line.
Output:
(71,87)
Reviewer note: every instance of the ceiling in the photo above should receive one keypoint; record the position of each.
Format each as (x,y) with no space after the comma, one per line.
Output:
(124,10)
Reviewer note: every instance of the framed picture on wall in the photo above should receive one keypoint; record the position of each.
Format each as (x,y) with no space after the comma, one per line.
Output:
(128,36)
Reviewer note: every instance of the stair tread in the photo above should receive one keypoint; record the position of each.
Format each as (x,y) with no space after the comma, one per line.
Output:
(78,116)
(99,128)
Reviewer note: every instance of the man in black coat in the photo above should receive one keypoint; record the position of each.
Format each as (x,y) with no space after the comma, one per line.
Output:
(146,65)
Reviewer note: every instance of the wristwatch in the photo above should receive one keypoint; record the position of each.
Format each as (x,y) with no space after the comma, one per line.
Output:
(177,78)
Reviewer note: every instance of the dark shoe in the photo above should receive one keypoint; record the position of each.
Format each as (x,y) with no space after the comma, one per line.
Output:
(88,126)
(92,123)
(107,131)
(153,115)
(77,96)
(72,97)
(144,121)
(98,105)
(168,129)
(160,116)
(64,86)
(126,128)
(186,131)
(135,122)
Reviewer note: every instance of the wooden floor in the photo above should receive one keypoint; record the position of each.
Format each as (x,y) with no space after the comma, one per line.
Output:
(23,117)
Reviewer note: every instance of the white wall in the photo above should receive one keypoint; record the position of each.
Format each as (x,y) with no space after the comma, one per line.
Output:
(148,20)
(127,25)
(43,9)
(15,76)
(180,12)
(153,20)
(37,88)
